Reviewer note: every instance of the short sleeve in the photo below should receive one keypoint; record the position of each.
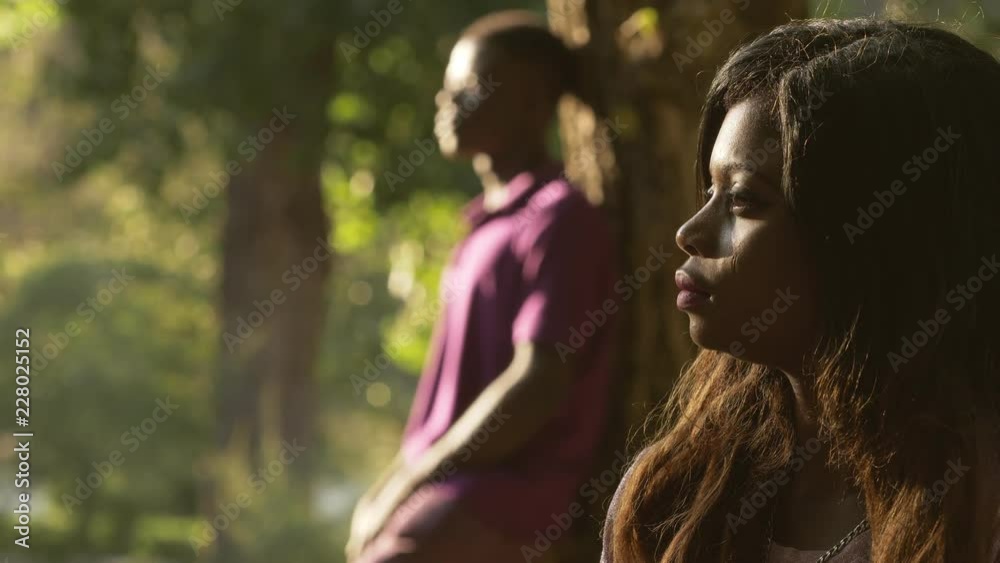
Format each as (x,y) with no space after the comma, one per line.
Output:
(565,274)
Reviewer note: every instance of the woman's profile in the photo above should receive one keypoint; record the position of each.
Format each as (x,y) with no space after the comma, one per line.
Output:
(842,286)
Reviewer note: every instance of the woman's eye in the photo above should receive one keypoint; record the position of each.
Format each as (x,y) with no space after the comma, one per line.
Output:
(740,202)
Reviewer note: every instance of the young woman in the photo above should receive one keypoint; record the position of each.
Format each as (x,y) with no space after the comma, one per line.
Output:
(842,285)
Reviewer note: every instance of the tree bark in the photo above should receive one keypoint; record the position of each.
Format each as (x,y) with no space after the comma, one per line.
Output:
(276,261)
(275,227)
(633,148)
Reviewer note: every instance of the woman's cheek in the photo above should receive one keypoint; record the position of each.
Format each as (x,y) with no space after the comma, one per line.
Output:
(748,243)
(729,237)
(761,263)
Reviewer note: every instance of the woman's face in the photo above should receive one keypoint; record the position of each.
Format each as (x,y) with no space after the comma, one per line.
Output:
(746,285)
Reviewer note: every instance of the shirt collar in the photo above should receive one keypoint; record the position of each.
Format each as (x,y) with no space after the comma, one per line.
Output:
(518,189)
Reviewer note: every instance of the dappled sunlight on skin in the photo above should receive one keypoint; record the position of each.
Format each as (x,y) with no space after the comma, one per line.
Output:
(746,252)
(161,332)
(461,69)
(391,196)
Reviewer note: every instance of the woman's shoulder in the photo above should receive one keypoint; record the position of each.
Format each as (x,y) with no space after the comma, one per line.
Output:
(614,507)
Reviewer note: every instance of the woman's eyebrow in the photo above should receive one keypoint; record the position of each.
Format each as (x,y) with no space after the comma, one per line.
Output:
(731,167)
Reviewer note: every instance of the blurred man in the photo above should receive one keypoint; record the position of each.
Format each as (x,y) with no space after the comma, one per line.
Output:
(511,405)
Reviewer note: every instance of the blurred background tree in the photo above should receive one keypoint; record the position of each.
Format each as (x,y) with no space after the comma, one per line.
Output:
(169,165)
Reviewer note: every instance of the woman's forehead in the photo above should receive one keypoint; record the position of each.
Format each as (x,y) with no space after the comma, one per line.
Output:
(747,136)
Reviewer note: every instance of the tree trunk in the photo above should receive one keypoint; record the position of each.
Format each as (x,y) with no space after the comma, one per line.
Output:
(276,261)
(648,69)
(275,229)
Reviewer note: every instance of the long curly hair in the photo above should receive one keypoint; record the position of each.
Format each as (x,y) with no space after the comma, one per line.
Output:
(854,101)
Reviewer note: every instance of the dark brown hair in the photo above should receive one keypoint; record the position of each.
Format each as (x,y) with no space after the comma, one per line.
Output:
(854,101)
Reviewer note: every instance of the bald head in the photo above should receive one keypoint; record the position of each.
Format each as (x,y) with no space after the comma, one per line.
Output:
(503,79)
(524,39)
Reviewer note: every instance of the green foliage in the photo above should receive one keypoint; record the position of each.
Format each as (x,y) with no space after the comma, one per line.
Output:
(224,65)
(219,73)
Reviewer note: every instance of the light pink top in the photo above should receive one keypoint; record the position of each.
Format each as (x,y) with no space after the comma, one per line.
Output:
(540,269)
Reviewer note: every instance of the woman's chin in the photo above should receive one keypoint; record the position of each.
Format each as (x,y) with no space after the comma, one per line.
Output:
(709,337)
(699,332)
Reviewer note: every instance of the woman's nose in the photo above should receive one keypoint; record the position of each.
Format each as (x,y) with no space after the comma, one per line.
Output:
(692,236)
(684,241)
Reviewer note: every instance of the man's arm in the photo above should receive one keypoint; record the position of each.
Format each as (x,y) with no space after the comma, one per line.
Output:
(564,257)
(510,411)
(384,477)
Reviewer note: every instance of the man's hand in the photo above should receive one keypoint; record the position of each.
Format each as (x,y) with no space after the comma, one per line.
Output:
(531,389)
(354,543)
(374,511)
(361,519)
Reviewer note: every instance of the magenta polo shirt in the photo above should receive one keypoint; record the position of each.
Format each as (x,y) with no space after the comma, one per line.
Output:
(527,272)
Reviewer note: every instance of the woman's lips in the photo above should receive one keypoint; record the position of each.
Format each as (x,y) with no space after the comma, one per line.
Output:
(687,300)
(691,294)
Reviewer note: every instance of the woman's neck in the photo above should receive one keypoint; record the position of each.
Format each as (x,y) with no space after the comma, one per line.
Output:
(805,409)
(819,504)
